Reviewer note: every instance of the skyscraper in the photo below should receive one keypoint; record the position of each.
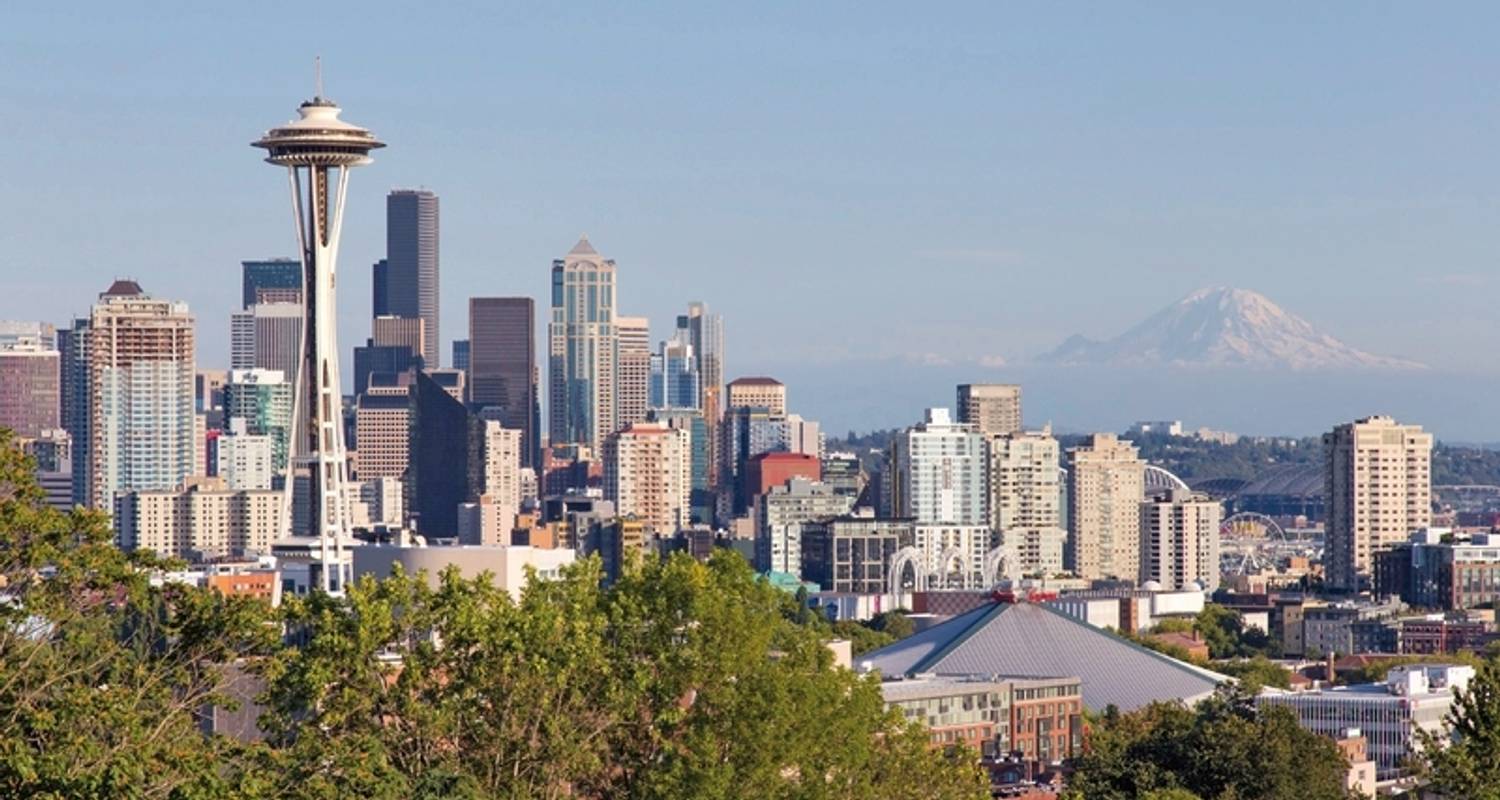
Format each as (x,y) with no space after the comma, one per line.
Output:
(993,408)
(648,474)
(1026,500)
(1377,477)
(140,395)
(502,367)
(582,351)
(262,400)
(461,354)
(274,280)
(633,378)
(1180,540)
(705,332)
(757,392)
(30,387)
(408,332)
(318,150)
(940,467)
(1106,481)
(411,258)
(674,377)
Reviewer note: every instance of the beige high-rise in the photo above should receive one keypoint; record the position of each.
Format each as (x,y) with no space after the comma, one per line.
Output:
(994,408)
(1377,479)
(1180,540)
(1106,482)
(1026,500)
(648,475)
(633,370)
(206,519)
(757,392)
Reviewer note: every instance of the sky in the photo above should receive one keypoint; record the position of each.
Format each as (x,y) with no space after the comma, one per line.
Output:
(857,187)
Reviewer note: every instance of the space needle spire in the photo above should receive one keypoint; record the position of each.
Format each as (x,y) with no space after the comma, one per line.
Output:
(318,150)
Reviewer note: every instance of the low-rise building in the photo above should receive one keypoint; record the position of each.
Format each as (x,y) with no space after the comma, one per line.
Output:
(506,564)
(1039,718)
(853,554)
(1412,698)
(1350,628)
(1441,569)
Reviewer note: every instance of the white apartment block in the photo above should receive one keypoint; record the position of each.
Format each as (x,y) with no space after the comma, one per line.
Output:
(502,465)
(1180,541)
(245,460)
(940,472)
(1106,482)
(1377,479)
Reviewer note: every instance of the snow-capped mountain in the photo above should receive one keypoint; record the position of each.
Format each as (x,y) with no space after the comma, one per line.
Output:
(1223,327)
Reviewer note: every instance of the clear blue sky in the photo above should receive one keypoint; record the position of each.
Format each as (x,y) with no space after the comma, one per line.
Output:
(844,181)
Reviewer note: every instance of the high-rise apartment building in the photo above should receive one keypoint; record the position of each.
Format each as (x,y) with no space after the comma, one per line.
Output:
(204,519)
(1180,540)
(1106,481)
(243,460)
(1377,477)
(701,493)
(939,472)
(648,475)
(633,370)
(262,399)
(757,392)
(1026,500)
(582,348)
(501,464)
(140,395)
(30,387)
(502,367)
(273,280)
(779,518)
(993,408)
(411,264)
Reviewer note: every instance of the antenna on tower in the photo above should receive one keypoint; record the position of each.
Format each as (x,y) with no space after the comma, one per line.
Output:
(318,73)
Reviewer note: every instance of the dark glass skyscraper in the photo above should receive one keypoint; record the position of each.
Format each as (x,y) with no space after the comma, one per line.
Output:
(411,258)
(502,366)
(445,465)
(276,280)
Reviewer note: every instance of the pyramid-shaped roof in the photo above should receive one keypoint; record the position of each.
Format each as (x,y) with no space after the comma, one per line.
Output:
(583,248)
(1026,639)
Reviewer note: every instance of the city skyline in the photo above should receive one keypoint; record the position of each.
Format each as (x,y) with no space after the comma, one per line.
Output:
(817,211)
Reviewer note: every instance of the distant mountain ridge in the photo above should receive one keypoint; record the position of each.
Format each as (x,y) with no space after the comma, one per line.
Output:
(1222,327)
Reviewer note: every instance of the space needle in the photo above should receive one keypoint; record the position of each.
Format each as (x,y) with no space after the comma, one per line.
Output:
(318,150)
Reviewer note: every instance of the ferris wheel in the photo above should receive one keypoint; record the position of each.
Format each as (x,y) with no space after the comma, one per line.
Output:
(1250,542)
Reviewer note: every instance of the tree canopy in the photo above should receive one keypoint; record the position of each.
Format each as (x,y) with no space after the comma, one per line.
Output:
(1469,765)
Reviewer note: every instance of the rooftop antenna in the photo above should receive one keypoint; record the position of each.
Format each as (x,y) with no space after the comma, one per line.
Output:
(318,72)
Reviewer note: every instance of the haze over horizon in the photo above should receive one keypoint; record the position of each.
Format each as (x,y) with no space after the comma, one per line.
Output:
(876,197)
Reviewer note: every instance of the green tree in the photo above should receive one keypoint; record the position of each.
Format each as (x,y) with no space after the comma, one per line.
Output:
(101,673)
(1465,761)
(1256,673)
(1224,748)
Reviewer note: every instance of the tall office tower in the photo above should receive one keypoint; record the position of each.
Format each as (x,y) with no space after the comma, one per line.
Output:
(205,519)
(1377,478)
(382,431)
(648,475)
(274,280)
(939,470)
(705,332)
(208,389)
(73,344)
(1026,500)
(747,431)
(266,336)
(757,392)
(408,332)
(461,355)
(30,387)
(674,377)
(318,150)
(446,465)
(633,373)
(502,367)
(780,516)
(372,359)
(262,399)
(380,286)
(1180,540)
(411,259)
(993,408)
(140,395)
(1106,481)
(582,348)
(701,496)
(244,460)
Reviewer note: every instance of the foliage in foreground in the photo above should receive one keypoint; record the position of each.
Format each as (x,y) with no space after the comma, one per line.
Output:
(684,680)
(1470,767)
(1224,749)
